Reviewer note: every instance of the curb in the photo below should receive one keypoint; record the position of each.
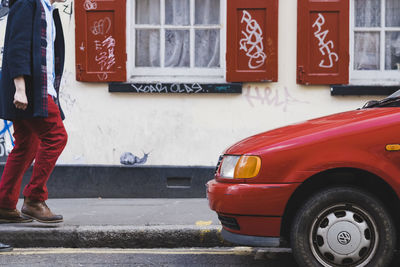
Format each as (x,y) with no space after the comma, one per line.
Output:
(113,236)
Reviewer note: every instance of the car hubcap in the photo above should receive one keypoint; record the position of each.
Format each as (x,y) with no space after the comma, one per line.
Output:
(343,235)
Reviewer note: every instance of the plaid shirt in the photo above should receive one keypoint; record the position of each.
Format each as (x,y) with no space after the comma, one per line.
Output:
(43,61)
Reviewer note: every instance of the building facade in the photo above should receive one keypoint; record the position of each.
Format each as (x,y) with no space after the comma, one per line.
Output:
(175,82)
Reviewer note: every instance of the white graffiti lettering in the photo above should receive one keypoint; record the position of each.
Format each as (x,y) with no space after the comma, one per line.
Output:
(184,88)
(105,56)
(6,139)
(252,43)
(3,150)
(109,42)
(274,97)
(158,88)
(324,47)
(90,5)
(102,76)
(98,45)
(167,88)
(101,26)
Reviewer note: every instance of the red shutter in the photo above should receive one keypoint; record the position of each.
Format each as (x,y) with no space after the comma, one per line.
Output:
(252,41)
(323,42)
(100,40)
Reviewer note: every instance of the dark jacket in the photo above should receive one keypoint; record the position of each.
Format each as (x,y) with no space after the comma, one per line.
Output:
(24,54)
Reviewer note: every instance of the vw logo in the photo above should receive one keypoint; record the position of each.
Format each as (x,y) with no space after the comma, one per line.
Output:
(344,238)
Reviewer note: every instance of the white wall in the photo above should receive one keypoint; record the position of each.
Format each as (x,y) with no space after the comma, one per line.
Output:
(186,129)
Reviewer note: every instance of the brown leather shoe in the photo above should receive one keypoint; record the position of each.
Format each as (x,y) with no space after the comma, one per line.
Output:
(39,211)
(12,216)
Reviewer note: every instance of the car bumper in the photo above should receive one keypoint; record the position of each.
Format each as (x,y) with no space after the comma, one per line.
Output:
(250,209)
(253,241)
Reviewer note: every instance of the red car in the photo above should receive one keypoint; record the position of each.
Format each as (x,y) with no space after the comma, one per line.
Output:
(328,187)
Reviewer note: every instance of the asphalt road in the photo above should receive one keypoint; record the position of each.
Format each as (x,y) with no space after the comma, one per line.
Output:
(145,257)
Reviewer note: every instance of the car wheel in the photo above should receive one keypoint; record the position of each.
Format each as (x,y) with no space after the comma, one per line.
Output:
(343,226)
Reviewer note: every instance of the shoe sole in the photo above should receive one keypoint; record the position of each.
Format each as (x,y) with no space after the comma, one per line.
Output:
(42,221)
(13,221)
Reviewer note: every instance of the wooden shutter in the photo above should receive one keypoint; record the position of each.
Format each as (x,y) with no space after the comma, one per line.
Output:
(323,42)
(252,40)
(100,42)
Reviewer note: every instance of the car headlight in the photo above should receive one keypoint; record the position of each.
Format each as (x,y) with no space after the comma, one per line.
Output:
(240,167)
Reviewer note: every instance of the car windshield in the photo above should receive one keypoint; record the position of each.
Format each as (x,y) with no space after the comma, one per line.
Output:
(391,101)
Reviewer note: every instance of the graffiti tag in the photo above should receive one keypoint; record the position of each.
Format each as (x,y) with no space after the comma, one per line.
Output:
(324,47)
(5,132)
(101,26)
(90,5)
(252,42)
(105,57)
(168,88)
(270,97)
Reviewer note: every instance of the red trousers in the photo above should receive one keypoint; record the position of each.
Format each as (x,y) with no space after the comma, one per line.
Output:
(39,139)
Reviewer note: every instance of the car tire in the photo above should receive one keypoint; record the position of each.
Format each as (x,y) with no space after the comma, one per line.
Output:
(343,226)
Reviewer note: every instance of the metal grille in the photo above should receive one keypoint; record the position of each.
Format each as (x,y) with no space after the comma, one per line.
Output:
(229,222)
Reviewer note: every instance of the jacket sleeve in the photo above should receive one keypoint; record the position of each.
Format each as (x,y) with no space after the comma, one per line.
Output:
(20,26)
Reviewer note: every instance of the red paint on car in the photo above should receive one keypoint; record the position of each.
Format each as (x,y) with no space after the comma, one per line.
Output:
(347,143)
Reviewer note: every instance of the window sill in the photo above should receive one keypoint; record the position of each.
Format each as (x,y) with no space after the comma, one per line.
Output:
(176,88)
(173,77)
(356,90)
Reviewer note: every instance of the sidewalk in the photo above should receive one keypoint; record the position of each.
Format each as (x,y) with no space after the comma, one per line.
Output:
(121,223)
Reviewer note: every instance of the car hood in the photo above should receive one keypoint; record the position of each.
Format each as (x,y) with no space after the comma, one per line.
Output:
(332,126)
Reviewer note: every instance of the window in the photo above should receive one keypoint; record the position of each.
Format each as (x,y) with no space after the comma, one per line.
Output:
(375,42)
(176,40)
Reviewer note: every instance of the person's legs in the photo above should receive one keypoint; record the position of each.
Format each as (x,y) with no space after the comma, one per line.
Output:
(53,138)
(19,160)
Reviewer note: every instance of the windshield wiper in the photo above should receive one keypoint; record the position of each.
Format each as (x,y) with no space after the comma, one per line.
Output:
(381,103)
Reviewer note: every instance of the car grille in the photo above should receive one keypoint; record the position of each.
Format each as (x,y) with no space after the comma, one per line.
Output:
(229,222)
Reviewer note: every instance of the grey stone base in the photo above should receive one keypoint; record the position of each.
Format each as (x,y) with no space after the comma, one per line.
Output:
(92,181)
